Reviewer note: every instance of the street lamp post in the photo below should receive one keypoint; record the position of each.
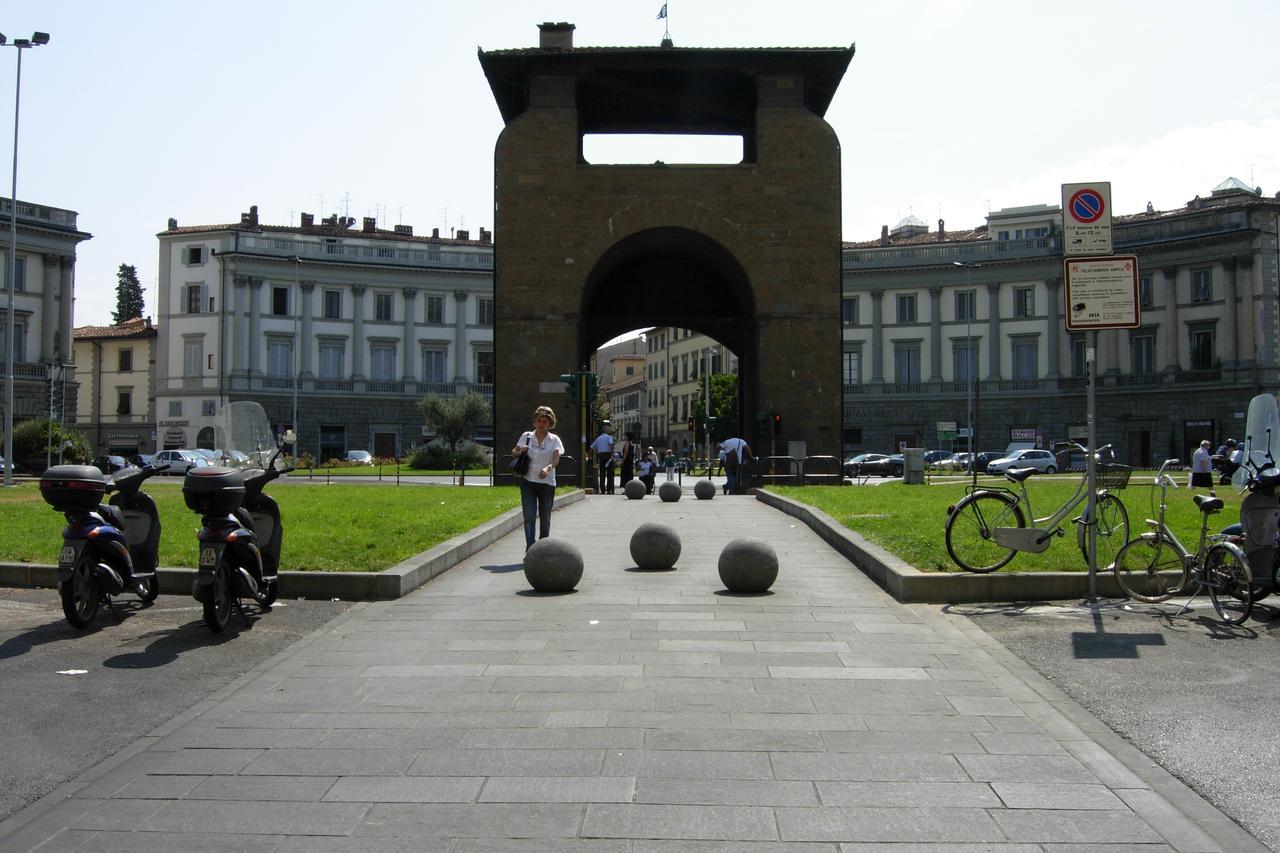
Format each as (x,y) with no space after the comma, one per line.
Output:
(297,354)
(706,407)
(36,40)
(971,362)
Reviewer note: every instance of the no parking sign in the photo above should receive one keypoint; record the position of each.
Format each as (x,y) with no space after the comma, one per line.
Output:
(1086,218)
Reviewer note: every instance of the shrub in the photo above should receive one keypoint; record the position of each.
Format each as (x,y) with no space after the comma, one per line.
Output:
(435,455)
(31,438)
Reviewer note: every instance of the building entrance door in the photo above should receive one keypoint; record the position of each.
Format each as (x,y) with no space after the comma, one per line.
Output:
(1194,432)
(1139,448)
(384,445)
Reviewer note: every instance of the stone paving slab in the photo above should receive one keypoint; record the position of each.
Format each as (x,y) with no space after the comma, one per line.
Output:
(647,712)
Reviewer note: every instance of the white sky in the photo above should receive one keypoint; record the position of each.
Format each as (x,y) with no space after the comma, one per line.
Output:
(138,111)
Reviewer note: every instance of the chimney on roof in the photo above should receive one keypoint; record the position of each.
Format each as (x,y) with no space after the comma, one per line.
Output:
(404,229)
(462,234)
(331,221)
(942,230)
(558,36)
(435,232)
(250,218)
(884,235)
(370,224)
(308,220)
(173,223)
(347,221)
(486,237)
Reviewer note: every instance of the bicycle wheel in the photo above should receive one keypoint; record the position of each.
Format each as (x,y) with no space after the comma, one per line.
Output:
(1113,531)
(1230,583)
(969,527)
(1150,569)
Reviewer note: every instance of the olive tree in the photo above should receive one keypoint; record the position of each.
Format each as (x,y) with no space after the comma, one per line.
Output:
(454,420)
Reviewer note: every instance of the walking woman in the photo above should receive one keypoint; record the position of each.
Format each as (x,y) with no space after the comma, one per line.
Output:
(628,459)
(538,485)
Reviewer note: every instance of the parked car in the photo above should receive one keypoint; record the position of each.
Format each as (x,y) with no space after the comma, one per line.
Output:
(141,460)
(880,464)
(179,461)
(853,466)
(954,462)
(110,464)
(360,457)
(933,457)
(985,458)
(1041,460)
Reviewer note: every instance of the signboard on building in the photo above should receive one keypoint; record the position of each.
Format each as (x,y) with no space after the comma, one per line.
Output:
(1086,218)
(1101,293)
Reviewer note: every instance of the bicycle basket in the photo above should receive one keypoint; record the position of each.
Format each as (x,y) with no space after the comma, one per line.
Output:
(1113,476)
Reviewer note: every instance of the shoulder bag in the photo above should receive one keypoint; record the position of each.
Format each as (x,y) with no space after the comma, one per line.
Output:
(520,464)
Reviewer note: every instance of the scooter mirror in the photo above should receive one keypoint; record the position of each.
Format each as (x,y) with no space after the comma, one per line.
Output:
(290,437)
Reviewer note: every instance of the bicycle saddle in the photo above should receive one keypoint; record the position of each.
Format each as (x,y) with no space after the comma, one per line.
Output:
(1020,474)
(1207,504)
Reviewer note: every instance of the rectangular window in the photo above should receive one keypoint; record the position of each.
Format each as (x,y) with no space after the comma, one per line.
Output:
(331,353)
(435,310)
(1202,351)
(332,304)
(906,308)
(1026,355)
(279,358)
(20,275)
(433,365)
(175,408)
(906,362)
(382,306)
(964,355)
(124,362)
(280,301)
(208,408)
(484,311)
(849,311)
(851,369)
(193,299)
(382,362)
(1144,347)
(1201,285)
(124,401)
(966,300)
(484,367)
(1144,291)
(1024,302)
(194,255)
(192,357)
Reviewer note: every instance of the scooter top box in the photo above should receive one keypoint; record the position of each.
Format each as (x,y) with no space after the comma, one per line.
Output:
(213,489)
(73,488)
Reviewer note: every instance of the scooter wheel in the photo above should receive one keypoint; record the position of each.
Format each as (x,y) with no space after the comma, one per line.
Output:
(80,594)
(217,607)
(147,588)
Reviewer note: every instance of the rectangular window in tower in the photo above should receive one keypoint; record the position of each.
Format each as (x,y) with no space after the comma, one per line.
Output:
(331,353)
(279,357)
(332,304)
(849,311)
(382,362)
(193,255)
(124,401)
(435,310)
(124,361)
(906,362)
(1026,358)
(193,299)
(1024,302)
(208,407)
(1144,347)
(1201,285)
(280,301)
(192,357)
(1144,291)
(484,311)
(851,367)
(175,408)
(433,365)
(906,308)
(964,355)
(1202,349)
(966,301)
(484,367)
(382,306)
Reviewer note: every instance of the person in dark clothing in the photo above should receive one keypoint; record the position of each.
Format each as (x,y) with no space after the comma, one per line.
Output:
(628,460)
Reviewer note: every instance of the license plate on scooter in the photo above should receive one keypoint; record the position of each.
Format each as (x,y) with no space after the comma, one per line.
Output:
(67,557)
(208,558)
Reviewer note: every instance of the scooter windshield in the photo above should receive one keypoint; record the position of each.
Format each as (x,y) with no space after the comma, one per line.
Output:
(1261,440)
(247,437)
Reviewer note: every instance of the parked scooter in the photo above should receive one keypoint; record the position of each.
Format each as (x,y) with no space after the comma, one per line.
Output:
(241,533)
(106,548)
(1259,472)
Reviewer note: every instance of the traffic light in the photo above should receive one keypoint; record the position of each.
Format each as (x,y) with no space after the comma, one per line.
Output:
(690,424)
(570,381)
(593,386)
(777,424)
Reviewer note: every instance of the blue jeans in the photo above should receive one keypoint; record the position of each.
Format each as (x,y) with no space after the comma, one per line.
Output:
(536,500)
(731,479)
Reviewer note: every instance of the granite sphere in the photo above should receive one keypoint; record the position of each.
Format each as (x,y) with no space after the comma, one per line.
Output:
(655,547)
(669,492)
(704,490)
(635,490)
(748,565)
(553,565)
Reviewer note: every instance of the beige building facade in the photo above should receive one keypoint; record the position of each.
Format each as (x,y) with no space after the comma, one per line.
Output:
(115,375)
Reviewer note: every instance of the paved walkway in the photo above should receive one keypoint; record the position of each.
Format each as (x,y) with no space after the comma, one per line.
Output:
(646,712)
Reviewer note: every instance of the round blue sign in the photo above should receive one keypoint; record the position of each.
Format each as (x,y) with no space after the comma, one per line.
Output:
(1086,206)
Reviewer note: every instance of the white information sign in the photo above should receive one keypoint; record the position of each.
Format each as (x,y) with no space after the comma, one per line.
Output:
(1086,218)
(1102,293)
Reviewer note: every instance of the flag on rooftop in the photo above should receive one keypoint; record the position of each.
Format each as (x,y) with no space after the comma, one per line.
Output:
(662,13)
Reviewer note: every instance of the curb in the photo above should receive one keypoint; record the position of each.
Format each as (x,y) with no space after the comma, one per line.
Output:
(912,586)
(394,582)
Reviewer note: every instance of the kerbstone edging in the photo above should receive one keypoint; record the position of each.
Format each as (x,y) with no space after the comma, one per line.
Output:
(912,586)
(391,583)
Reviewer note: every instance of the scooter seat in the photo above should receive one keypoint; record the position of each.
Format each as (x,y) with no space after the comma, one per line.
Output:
(111,515)
(1208,504)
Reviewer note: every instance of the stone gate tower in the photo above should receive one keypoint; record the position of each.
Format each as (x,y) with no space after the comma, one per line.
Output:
(747,253)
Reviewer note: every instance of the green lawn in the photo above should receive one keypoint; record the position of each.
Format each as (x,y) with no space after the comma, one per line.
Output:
(909,521)
(349,528)
(385,471)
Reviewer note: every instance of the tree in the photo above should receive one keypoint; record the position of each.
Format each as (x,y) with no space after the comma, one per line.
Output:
(454,419)
(724,407)
(128,294)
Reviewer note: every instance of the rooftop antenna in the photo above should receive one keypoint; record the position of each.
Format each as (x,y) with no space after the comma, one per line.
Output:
(346,205)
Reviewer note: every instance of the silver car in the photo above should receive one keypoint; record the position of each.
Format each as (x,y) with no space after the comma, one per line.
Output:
(179,461)
(1041,460)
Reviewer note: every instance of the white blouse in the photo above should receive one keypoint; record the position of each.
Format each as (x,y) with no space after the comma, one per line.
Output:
(540,455)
